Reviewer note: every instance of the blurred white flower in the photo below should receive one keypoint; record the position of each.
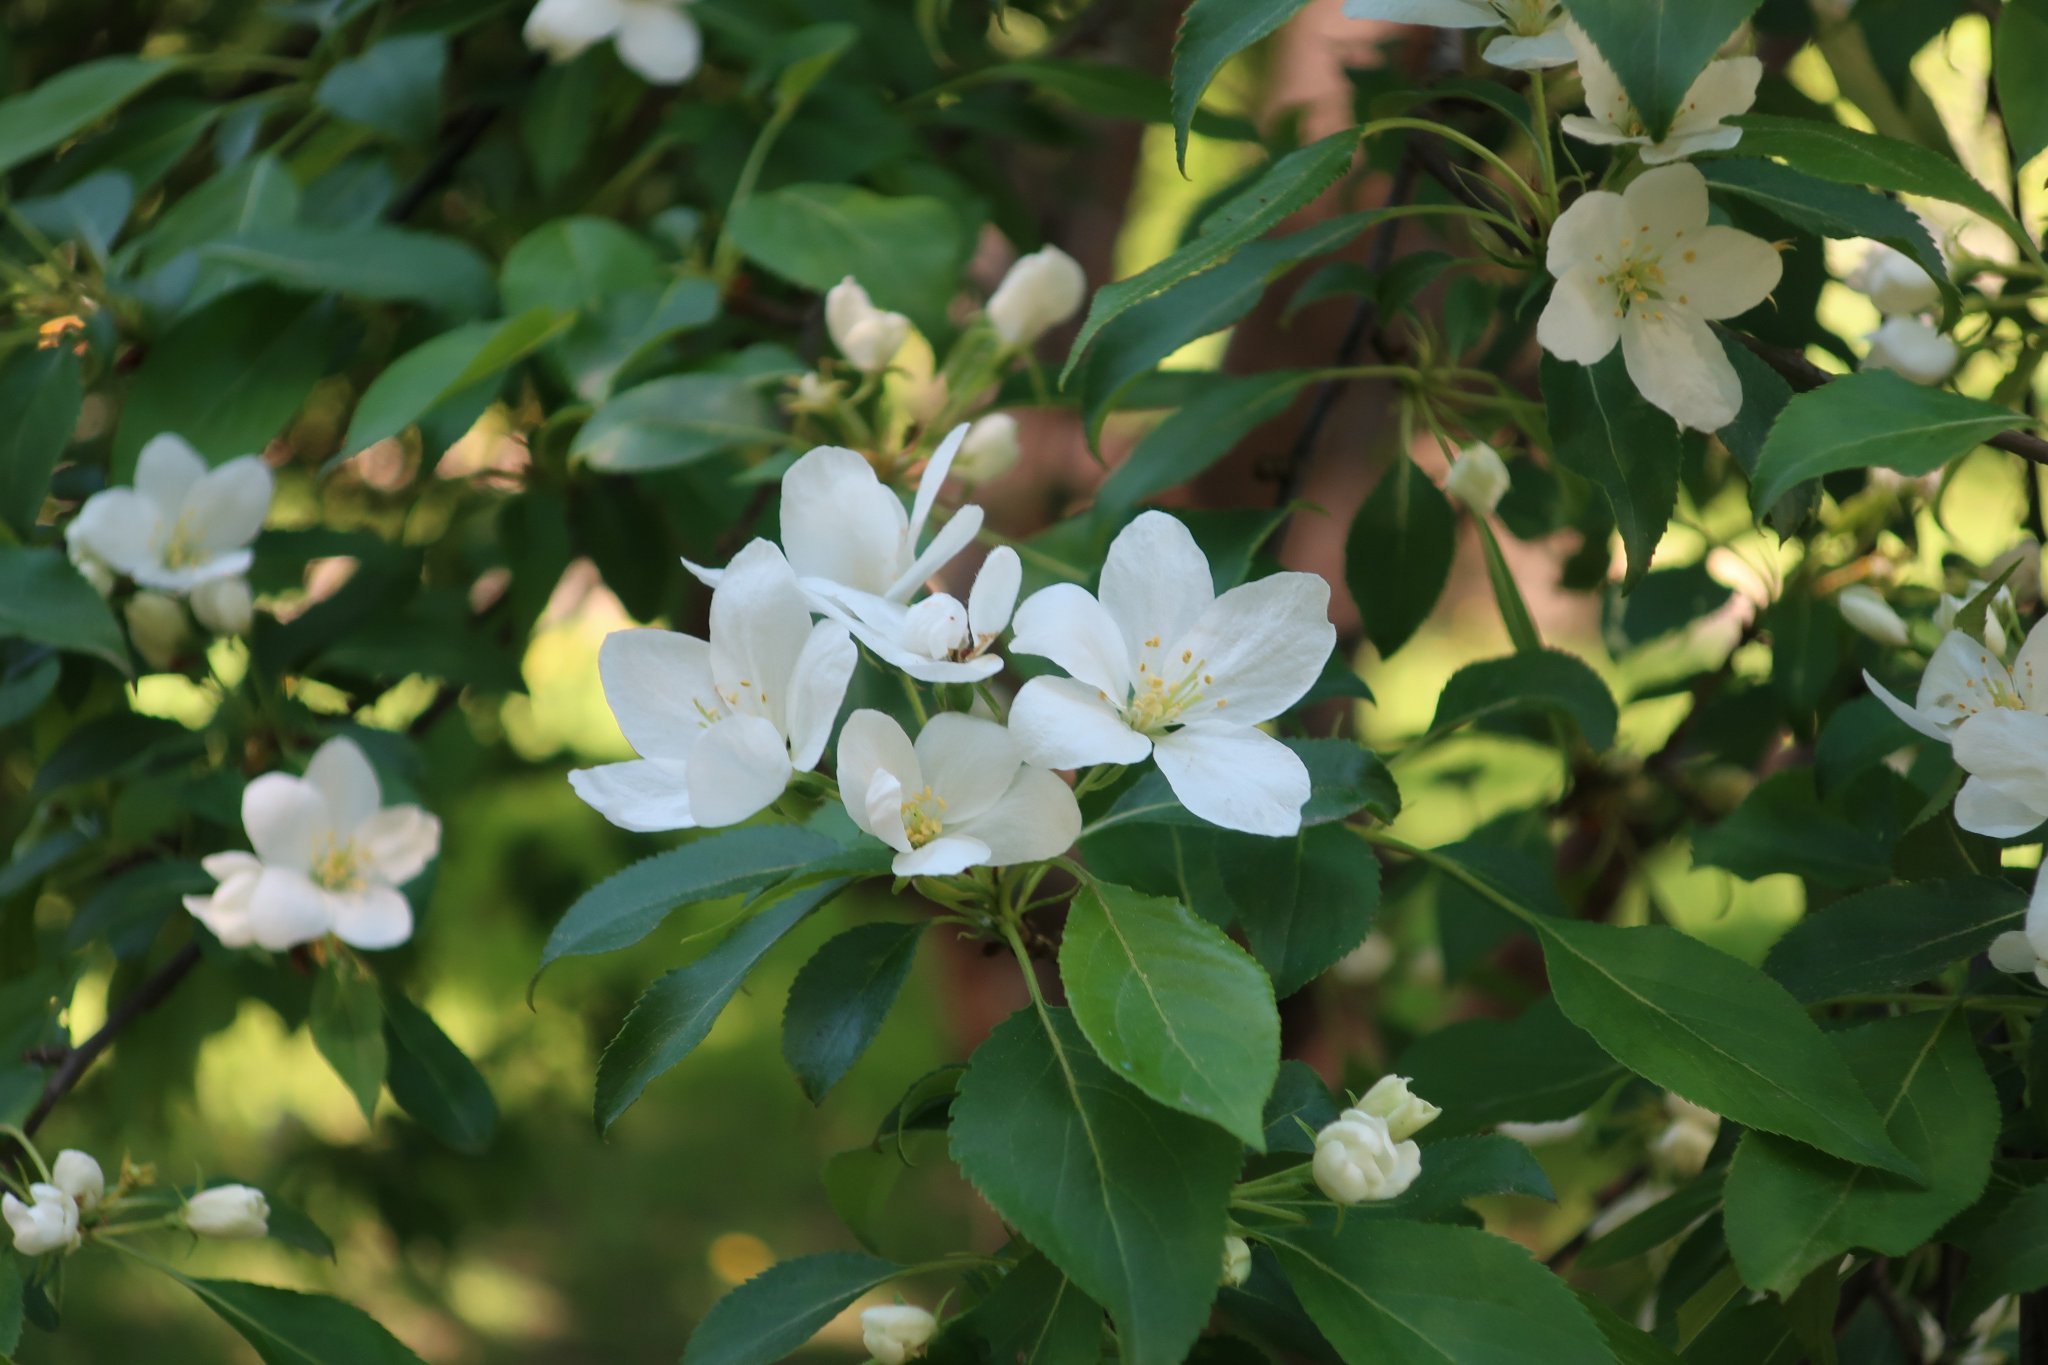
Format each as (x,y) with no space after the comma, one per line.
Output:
(1914,348)
(896,1332)
(1041,291)
(1726,88)
(224,605)
(1545,1133)
(1866,611)
(869,337)
(329,858)
(1366,963)
(1896,283)
(1535,29)
(78,1175)
(653,37)
(1683,1147)
(2020,951)
(1357,1160)
(1478,478)
(48,1222)
(157,627)
(228,1212)
(990,450)
(181,525)
(1406,1112)
(1237,1261)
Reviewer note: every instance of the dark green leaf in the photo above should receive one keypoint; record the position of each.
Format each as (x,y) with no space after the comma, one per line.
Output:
(905,251)
(1300,1107)
(1303,902)
(1663,1221)
(1535,1068)
(347,1024)
(674,420)
(394,87)
(1873,417)
(1461,1168)
(1034,1316)
(1783,826)
(433,1081)
(2019,54)
(10,1306)
(1891,937)
(838,1001)
(289,1328)
(1211,33)
(1669,600)
(1548,680)
(770,1316)
(45,601)
(383,264)
(1629,1344)
(1608,434)
(41,391)
(439,370)
(2008,1257)
(1659,47)
(1397,555)
(38,119)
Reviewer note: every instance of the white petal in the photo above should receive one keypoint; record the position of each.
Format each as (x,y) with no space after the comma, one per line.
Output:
(1264,644)
(225,913)
(950,539)
(872,744)
(1726,88)
(374,918)
(847,305)
(226,508)
(1540,52)
(839,521)
(2013,951)
(942,857)
(1679,366)
(993,599)
(1986,809)
(342,775)
(1062,723)
(660,42)
(1036,818)
(119,526)
(1721,271)
(645,795)
(287,909)
(1236,777)
(1663,203)
(2008,750)
(760,624)
(933,480)
(710,578)
(968,761)
(1906,713)
(815,689)
(655,682)
(167,471)
(223,867)
(1433,13)
(1579,323)
(1962,679)
(879,810)
(739,768)
(1606,101)
(1155,584)
(1591,228)
(564,28)
(400,842)
(2037,916)
(2030,668)
(1914,348)
(287,820)
(1065,624)
(1594,131)
(1679,146)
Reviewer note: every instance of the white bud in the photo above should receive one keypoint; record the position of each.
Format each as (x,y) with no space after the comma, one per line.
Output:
(935,627)
(867,336)
(1895,283)
(228,1212)
(48,1222)
(2002,606)
(1406,1112)
(1914,349)
(994,595)
(224,606)
(93,569)
(1866,611)
(896,1332)
(1478,478)
(1041,291)
(1358,1160)
(1237,1261)
(814,392)
(79,1176)
(157,627)
(1683,1147)
(1366,963)
(990,450)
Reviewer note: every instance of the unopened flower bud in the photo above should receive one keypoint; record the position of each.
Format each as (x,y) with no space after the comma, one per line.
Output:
(990,450)
(224,606)
(896,1332)
(48,1222)
(94,570)
(867,336)
(1041,291)
(935,627)
(228,1212)
(1914,349)
(1478,478)
(1406,1112)
(79,1176)
(813,392)
(1237,1261)
(1366,963)
(2002,607)
(1895,283)
(1684,1146)
(1866,611)
(994,595)
(157,627)
(1357,1160)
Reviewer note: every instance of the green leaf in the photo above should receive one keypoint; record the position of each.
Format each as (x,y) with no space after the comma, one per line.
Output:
(289,1328)
(1659,47)
(436,371)
(1196,435)
(1173,1005)
(1460,1168)
(1033,1316)
(1784,826)
(1123,1195)
(1669,600)
(10,1306)
(258,193)
(38,119)
(394,87)
(1537,1067)
(2019,53)
(1548,680)
(1627,1343)
(347,1024)
(629,905)
(1432,1295)
(374,262)
(1211,33)
(1608,434)
(770,1316)
(41,392)
(1664,1221)
(1397,555)
(1873,417)
(1694,1020)
(2008,1257)
(906,251)
(838,1001)
(1891,937)
(433,1081)
(672,1016)
(1343,780)
(1299,1107)
(1790,1208)
(1287,185)
(674,420)
(44,600)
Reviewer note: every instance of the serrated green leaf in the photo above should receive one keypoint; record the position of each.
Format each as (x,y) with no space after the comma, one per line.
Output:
(1033,1316)
(289,1328)
(1659,47)
(1607,433)
(1211,33)
(2010,1256)
(777,1311)
(838,1001)
(1891,937)
(1547,680)
(40,118)
(1873,418)
(1397,555)
(1783,825)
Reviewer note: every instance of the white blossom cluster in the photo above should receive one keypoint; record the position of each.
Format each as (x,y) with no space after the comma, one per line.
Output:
(73,1200)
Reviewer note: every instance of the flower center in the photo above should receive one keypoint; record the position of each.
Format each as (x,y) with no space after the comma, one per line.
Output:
(339,867)
(1639,277)
(1156,704)
(921,822)
(183,548)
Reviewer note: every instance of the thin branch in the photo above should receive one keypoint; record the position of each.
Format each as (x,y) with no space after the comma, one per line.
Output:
(78,1060)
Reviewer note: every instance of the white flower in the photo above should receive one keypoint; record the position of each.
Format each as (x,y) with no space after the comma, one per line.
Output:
(854,550)
(960,797)
(1914,348)
(1357,1159)
(1896,283)
(1964,677)
(869,337)
(1041,291)
(1685,1144)
(157,628)
(224,606)
(228,1212)
(48,1222)
(1726,88)
(181,525)
(79,1176)
(990,450)
(2026,950)
(1542,1134)
(329,858)
(1366,963)
(1644,268)
(653,37)
(720,725)
(1406,1112)
(1478,478)
(896,1332)
(1160,665)
(1237,1261)
(1866,611)
(1535,35)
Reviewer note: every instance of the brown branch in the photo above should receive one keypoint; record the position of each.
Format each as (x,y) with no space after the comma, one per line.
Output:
(1805,376)
(78,1060)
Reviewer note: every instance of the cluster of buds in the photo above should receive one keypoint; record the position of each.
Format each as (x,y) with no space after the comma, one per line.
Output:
(896,1332)
(1906,343)
(1369,1153)
(73,1202)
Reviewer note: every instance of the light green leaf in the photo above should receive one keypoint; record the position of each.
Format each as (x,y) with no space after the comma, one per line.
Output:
(347,1024)
(1211,33)
(770,1316)
(1174,1006)
(1397,555)
(2019,54)
(41,392)
(1790,1208)
(437,371)
(1608,434)
(433,1081)
(674,420)
(1546,680)
(44,600)
(838,1001)
(289,1328)
(394,87)
(1891,937)
(1659,47)
(38,119)
(381,264)
(1123,1195)
(906,251)
(1873,417)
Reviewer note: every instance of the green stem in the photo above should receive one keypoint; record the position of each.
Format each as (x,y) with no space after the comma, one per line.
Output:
(27,1145)
(916,701)
(1546,162)
(1472,145)
(725,256)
